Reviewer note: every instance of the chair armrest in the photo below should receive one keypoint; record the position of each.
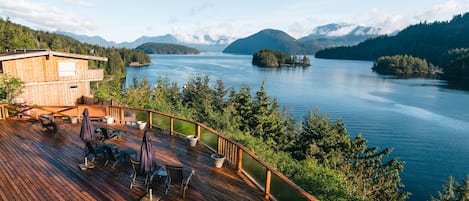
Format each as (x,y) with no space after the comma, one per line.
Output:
(186,182)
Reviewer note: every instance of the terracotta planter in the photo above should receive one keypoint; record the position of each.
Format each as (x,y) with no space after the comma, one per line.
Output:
(218,160)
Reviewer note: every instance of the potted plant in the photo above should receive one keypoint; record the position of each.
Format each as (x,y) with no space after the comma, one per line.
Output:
(73,119)
(192,140)
(141,125)
(218,159)
(109,119)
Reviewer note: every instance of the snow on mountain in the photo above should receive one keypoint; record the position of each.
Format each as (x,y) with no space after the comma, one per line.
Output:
(335,30)
(204,39)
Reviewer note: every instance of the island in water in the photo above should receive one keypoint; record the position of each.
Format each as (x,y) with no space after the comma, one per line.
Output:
(275,58)
(166,48)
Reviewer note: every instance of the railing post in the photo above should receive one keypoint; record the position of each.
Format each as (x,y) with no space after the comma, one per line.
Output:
(197,131)
(219,145)
(239,163)
(122,115)
(267,184)
(150,119)
(108,110)
(171,125)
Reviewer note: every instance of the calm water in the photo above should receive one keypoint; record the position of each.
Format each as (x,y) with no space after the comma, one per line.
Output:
(426,123)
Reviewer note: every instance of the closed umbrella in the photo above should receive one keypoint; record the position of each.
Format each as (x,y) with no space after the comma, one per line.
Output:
(87,130)
(147,155)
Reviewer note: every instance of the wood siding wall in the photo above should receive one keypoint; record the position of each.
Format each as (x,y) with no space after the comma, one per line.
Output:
(44,86)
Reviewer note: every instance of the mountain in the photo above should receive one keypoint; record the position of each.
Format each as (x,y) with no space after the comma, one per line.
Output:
(205,43)
(166,48)
(266,39)
(93,40)
(343,34)
(330,35)
(441,43)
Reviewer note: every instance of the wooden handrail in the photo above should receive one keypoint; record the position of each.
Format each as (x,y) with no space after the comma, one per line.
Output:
(225,145)
(233,151)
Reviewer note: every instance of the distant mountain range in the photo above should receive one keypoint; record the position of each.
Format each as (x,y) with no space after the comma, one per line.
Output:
(329,35)
(203,43)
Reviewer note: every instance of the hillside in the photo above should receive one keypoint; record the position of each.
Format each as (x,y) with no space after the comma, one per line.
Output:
(330,35)
(430,41)
(166,48)
(15,36)
(266,39)
(204,43)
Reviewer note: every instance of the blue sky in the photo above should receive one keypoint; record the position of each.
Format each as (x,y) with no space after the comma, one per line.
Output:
(127,20)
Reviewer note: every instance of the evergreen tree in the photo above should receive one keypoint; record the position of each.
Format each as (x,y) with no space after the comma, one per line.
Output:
(243,107)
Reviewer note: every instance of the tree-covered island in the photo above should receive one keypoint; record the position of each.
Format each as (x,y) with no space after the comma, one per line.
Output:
(166,48)
(405,65)
(274,58)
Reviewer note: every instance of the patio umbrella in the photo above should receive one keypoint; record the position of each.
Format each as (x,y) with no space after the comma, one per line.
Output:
(147,155)
(87,130)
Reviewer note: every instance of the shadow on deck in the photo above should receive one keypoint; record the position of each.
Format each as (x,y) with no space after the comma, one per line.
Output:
(40,166)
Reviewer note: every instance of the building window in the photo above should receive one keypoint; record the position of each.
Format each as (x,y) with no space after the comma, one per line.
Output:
(67,68)
(1,67)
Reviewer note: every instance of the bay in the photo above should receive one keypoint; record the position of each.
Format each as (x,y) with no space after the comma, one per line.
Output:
(425,121)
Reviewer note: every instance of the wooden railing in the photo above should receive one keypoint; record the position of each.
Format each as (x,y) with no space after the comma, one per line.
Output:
(233,151)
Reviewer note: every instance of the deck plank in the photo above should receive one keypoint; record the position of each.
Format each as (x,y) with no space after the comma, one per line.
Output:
(35,165)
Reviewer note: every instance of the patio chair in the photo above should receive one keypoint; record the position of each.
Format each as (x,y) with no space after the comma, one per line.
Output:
(139,179)
(109,134)
(112,156)
(177,177)
(48,124)
(92,149)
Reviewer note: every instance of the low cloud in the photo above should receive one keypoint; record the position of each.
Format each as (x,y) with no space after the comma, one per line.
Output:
(45,17)
(447,9)
(201,8)
(82,3)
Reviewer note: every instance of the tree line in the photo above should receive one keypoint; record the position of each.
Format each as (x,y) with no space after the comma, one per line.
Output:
(403,65)
(275,58)
(435,42)
(316,152)
(14,36)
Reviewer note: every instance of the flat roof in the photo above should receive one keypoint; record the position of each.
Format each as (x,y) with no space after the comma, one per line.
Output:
(21,54)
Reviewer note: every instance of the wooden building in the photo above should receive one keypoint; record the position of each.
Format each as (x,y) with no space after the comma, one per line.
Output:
(51,78)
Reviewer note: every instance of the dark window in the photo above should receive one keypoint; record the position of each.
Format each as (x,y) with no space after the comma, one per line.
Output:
(73,86)
(1,67)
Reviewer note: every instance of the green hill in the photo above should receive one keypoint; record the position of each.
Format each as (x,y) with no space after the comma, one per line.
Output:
(14,36)
(166,48)
(441,43)
(267,39)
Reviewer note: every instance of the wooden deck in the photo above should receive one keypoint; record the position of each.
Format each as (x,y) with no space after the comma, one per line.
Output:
(35,165)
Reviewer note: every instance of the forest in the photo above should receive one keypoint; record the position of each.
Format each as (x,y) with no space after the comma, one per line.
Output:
(404,65)
(14,36)
(441,43)
(275,58)
(166,48)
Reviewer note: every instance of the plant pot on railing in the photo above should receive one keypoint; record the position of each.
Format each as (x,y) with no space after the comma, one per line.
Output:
(73,119)
(192,140)
(218,160)
(109,119)
(141,125)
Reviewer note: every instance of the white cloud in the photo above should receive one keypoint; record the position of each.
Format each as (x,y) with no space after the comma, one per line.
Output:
(386,21)
(446,10)
(44,17)
(82,3)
